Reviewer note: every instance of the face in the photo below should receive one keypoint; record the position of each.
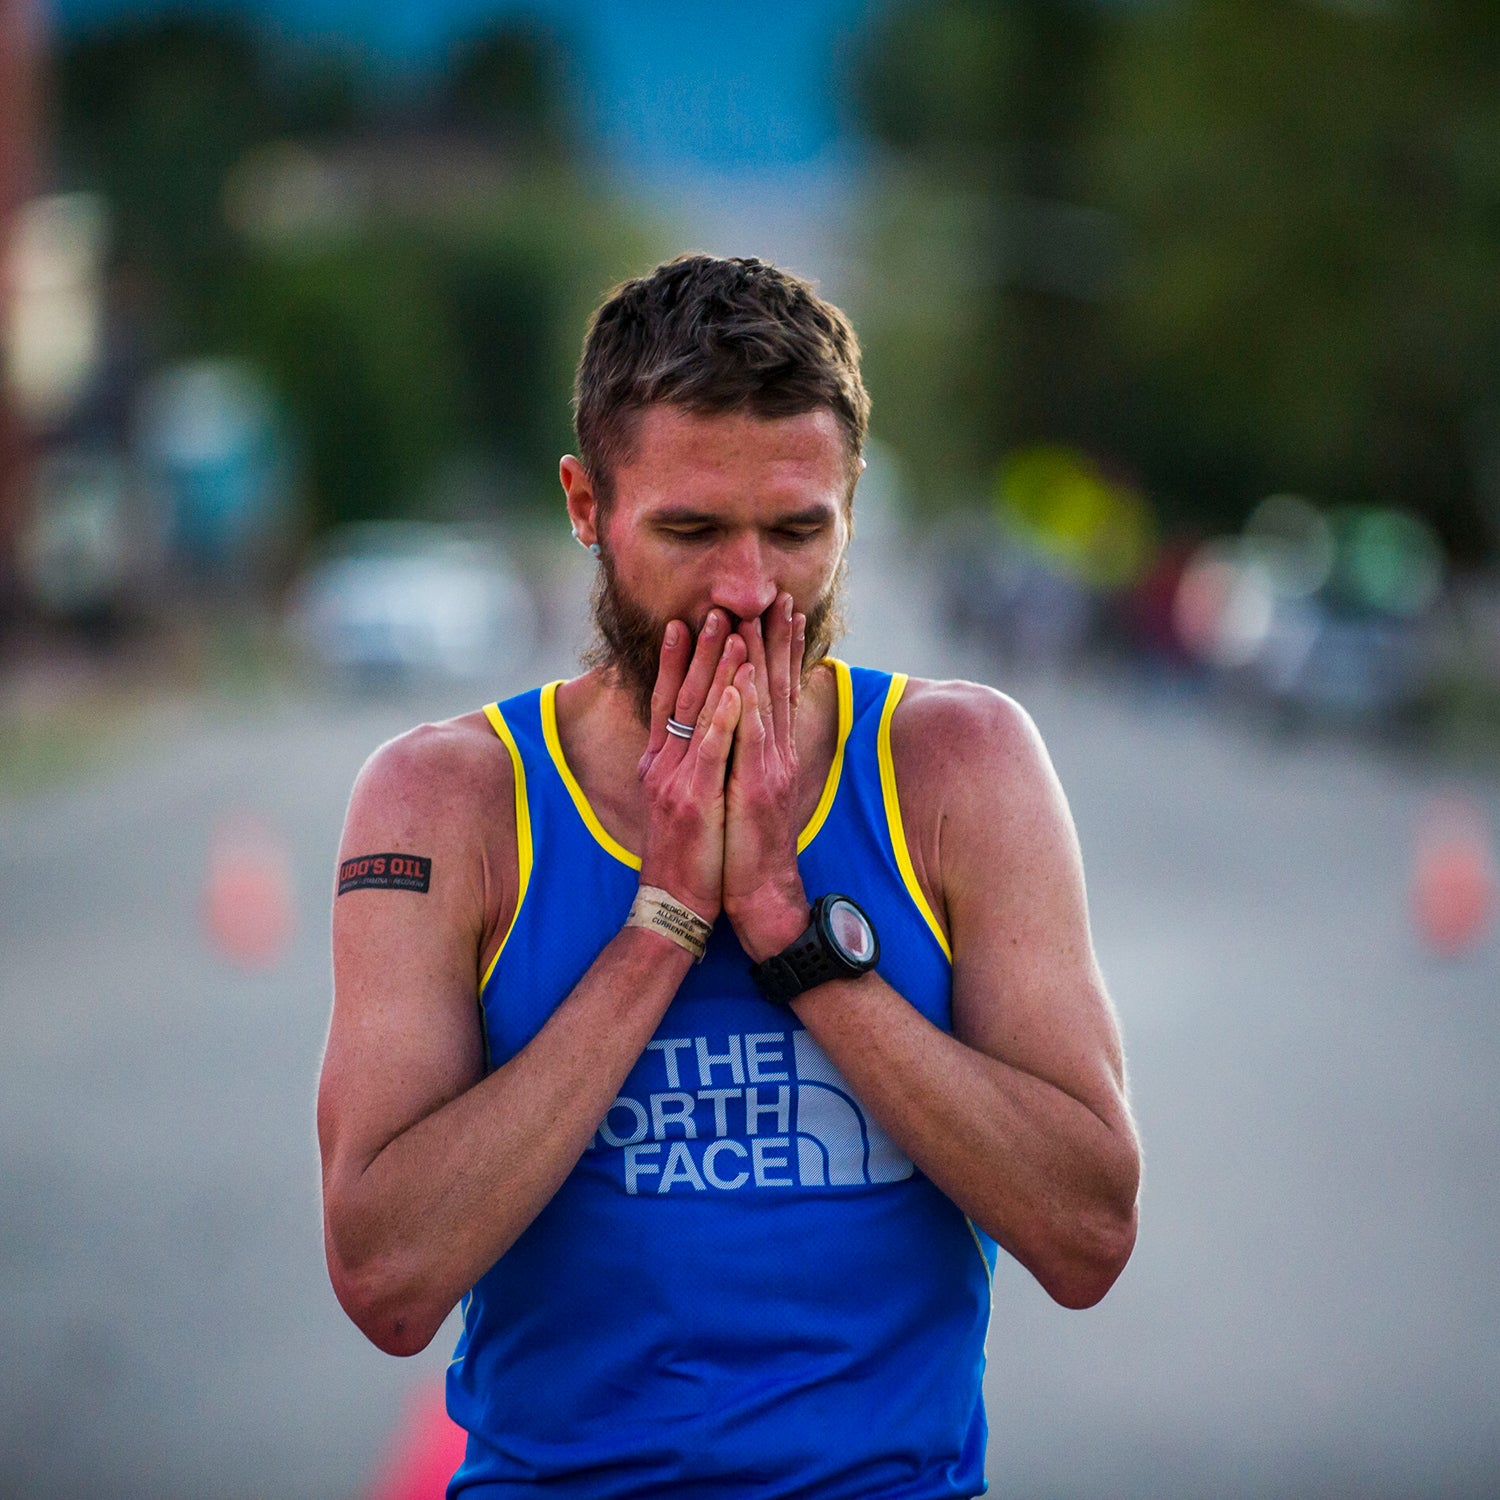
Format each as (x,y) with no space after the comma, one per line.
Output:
(721,511)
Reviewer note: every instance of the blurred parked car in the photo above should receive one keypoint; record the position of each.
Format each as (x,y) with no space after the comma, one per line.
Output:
(406,599)
(1330,617)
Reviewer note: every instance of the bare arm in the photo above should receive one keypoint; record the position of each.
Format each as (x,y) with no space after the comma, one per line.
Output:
(430,1168)
(1020,1116)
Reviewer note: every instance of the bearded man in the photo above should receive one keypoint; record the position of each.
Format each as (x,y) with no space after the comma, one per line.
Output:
(788,1014)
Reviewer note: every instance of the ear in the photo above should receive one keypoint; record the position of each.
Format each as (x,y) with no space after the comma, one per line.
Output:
(583,507)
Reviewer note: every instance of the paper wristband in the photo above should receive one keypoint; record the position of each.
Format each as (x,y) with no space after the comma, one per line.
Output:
(655,909)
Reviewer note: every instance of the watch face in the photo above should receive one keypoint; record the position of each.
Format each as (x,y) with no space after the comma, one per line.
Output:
(850,930)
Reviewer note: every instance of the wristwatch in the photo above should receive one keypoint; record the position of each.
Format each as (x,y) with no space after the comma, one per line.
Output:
(839,943)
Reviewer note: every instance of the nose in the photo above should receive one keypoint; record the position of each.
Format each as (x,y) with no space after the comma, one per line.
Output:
(744,584)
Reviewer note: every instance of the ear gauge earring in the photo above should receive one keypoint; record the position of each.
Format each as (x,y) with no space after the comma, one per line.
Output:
(592,548)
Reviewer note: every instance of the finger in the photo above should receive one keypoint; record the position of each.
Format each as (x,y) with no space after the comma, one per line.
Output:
(698,693)
(669,678)
(799,652)
(729,663)
(755,645)
(713,745)
(707,658)
(750,733)
(779,666)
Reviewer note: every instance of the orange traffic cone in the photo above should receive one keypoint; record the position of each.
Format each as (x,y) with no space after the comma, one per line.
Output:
(247,893)
(425,1449)
(1453,889)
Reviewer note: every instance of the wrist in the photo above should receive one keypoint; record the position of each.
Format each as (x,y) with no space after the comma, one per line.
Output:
(658,910)
(704,904)
(765,926)
(839,942)
(655,952)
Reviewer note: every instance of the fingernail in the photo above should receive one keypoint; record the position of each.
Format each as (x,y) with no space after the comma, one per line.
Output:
(801,624)
(711,624)
(672,636)
(786,607)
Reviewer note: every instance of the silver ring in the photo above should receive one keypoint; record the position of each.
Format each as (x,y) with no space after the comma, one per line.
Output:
(682,731)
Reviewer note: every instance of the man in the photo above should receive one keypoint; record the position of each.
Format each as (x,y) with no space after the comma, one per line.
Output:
(720,1162)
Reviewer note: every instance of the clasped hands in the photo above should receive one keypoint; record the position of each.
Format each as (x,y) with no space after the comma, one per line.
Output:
(721,807)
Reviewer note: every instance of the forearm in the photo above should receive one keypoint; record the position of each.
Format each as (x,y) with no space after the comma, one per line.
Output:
(415,1227)
(1049,1178)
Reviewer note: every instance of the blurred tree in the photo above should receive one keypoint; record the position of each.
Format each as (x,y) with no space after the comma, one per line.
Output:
(514,82)
(1314,195)
(411,337)
(927,83)
(355,338)
(1240,245)
(317,92)
(413,279)
(984,322)
(521,277)
(154,114)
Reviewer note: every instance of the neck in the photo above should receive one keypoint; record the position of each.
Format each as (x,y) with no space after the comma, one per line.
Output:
(603,711)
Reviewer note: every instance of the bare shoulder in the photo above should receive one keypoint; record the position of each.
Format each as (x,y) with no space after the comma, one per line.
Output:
(960,744)
(436,769)
(987,823)
(444,792)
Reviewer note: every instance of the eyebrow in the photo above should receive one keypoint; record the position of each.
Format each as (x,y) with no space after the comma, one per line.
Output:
(689,515)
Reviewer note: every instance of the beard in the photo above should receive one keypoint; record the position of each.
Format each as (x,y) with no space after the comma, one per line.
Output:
(628,637)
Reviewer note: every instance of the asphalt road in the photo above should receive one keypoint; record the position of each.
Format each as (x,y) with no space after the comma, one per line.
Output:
(1312,1307)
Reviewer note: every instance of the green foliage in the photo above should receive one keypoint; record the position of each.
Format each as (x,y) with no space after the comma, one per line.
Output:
(1293,284)
(521,277)
(401,324)
(1315,232)
(934,373)
(356,341)
(154,115)
(405,342)
(513,81)
(926,82)
(981,322)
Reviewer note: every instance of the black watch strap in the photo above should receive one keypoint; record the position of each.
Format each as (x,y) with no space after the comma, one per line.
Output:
(798,967)
(808,961)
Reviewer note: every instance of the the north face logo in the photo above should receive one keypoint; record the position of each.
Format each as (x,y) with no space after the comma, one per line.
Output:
(837,1143)
(766,1109)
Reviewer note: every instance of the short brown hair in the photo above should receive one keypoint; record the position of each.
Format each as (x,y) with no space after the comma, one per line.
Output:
(713,335)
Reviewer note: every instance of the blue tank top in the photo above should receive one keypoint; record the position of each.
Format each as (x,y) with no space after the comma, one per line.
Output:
(744,1287)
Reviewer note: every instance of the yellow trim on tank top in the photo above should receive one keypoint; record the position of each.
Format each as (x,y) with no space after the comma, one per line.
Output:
(612,846)
(524,851)
(845,685)
(893,813)
(989,1274)
(585,811)
(908,873)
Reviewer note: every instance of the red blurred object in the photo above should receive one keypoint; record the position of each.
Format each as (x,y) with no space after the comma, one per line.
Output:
(1147,608)
(22,37)
(424,1451)
(247,895)
(1453,890)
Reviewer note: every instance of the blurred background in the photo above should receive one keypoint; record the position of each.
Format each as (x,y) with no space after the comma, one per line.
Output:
(1182,325)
